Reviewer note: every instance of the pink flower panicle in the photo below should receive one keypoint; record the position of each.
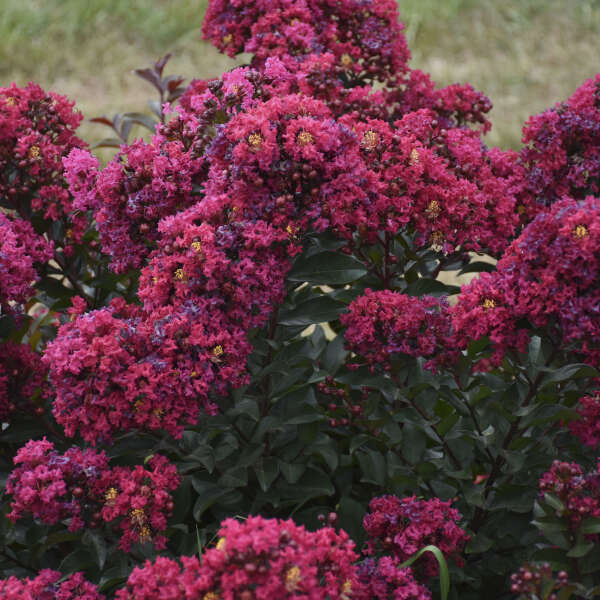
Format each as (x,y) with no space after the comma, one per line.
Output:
(141,499)
(385,324)
(550,276)
(364,37)
(37,129)
(52,487)
(257,558)
(562,149)
(383,579)
(46,586)
(401,527)
(79,485)
(579,492)
(21,378)
(587,427)
(20,249)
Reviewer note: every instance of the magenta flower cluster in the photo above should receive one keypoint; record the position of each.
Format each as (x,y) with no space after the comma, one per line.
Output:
(23,383)
(48,586)
(402,526)
(255,558)
(81,487)
(384,325)
(37,129)
(562,151)
(548,278)
(20,250)
(578,492)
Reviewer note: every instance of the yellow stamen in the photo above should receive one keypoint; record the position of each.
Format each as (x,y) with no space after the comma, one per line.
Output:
(11,101)
(370,140)
(69,233)
(211,596)
(434,209)
(179,274)
(521,209)
(197,246)
(221,544)
(145,534)
(34,151)
(138,517)
(414,156)
(437,238)
(111,495)
(227,39)
(137,405)
(488,303)
(347,588)
(255,141)
(580,231)
(217,351)
(292,578)
(305,138)
(158,412)
(346,61)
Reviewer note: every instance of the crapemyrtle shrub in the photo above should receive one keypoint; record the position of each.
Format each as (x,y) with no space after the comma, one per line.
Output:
(250,314)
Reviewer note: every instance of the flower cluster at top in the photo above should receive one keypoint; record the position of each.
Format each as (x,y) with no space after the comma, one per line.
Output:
(579,493)
(21,378)
(79,486)
(37,129)
(47,586)
(386,324)
(549,277)
(364,38)
(562,152)
(402,526)
(20,249)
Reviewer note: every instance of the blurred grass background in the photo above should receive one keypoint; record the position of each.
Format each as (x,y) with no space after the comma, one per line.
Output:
(524,54)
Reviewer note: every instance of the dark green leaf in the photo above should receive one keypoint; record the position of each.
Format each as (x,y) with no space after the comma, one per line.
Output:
(327,268)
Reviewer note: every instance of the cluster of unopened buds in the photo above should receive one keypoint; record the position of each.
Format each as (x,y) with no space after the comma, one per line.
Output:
(343,410)
(537,582)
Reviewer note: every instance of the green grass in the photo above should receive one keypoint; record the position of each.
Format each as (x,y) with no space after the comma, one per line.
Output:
(525,54)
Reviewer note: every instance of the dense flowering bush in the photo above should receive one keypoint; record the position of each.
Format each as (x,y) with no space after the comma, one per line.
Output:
(248,315)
